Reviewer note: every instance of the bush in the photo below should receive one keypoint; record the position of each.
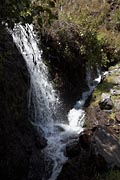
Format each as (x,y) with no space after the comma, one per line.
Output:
(81,31)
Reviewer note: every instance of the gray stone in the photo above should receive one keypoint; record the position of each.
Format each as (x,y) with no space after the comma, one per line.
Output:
(117,80)
(106,104)
(106,146)
(115,92)
(105,96)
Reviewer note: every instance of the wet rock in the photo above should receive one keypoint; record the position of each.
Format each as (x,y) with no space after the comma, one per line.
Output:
(40,166)
(77,168)
(106,102)
(85,139)
(40,140)
(73,149)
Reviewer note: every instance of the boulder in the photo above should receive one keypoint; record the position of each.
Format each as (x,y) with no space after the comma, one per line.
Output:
(105,96)
(106,102)
(104,148)
(99,151)
(73,149)
(85,139)
(40,166)
(115,92)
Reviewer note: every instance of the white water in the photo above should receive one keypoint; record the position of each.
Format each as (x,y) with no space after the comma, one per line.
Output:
(46,101)
(76,116)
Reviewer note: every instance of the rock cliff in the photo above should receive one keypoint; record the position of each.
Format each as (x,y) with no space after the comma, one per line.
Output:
(20,144)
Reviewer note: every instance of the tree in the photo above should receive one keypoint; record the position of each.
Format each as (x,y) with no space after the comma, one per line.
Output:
(15,11)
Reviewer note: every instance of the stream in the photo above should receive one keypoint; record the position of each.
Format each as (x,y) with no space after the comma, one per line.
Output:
(46,101)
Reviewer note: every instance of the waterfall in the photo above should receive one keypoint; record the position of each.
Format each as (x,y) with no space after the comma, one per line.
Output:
(46,101)
(76,116)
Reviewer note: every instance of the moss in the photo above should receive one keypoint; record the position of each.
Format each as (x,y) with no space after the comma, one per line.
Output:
(112,116)
(105,87)
(109,175)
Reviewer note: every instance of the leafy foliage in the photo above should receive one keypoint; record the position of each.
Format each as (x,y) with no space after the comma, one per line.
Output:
(87,29)
(24,11)
(12,11)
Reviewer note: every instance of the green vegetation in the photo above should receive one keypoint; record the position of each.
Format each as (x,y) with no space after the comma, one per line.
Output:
(87,30)
(110,175)
(25,11)
(102,87)
(12,11)
(110,82)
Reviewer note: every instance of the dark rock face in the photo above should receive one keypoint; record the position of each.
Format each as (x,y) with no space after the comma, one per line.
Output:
(106,104)
(98,152)
(72,149)
(106,146)
(19,141)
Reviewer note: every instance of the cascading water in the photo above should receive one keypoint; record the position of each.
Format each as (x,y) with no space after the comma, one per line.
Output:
(46,101)
(76,116)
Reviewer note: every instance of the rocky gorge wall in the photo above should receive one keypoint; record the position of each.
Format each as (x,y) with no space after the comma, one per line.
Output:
(96,155)
(20,144)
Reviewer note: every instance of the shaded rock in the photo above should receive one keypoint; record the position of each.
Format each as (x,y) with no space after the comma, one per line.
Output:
(85,139)
(109,1)
(103,147)
(106,102)
(73,149)
(19,139)
(106,145)
(99,152)
(70,170)
(77,168)
(40,166)
(40,141)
